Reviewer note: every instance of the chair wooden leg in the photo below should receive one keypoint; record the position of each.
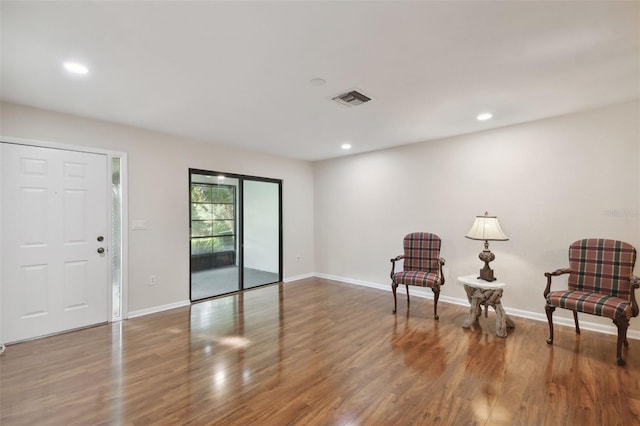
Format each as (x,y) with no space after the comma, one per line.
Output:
(436,296)
(622,323)
(549,310)
(407,285)
(394,286)
(575,318)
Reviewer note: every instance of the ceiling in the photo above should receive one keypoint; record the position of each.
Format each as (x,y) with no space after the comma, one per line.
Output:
(239,73)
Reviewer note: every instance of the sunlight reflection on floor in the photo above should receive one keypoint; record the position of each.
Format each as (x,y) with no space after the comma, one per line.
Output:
(236,342)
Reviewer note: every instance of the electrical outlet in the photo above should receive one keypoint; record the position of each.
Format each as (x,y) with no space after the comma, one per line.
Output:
(152,280)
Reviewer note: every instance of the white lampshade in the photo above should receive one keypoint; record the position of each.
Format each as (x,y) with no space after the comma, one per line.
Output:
(486,228)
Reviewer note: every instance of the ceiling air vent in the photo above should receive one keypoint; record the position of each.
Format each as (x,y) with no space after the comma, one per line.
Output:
(352,98)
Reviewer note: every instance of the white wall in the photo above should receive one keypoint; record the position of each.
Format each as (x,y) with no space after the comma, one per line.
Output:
(549,182)
(159,192)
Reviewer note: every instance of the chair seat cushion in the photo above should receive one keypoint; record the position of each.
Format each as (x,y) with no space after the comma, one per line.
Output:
(590,303)
(419,278)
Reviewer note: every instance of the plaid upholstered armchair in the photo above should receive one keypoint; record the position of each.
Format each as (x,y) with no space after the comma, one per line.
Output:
(601,282)
(422,266)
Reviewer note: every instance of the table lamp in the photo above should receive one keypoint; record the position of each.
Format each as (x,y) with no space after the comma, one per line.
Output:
(486,228)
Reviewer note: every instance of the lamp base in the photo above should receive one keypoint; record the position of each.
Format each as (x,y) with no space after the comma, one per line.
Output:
(486,274)
(486,256)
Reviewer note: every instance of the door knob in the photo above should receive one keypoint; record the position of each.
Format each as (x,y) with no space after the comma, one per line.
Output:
(100,238)
(100,250)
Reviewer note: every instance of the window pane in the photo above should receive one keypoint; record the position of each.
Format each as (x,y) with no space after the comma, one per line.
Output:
(116,238)
(224,243)
(222,194)
(201,211)
(201,229)
(201,245)
(200,193)
(223,211)
(222,227)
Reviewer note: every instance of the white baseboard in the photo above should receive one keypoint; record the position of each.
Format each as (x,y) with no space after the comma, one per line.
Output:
(156,309)
(428,294)
(298,277)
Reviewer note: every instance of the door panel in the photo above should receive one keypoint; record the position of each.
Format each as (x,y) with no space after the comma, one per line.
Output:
(36,286)
(54,206)
(261,232)
(214,230)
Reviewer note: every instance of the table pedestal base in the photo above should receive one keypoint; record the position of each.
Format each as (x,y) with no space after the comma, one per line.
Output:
(478,298)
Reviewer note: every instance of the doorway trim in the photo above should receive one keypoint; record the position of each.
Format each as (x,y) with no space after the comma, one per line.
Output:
(124,256)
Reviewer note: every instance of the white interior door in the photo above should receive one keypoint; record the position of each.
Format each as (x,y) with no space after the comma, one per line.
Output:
(54,213)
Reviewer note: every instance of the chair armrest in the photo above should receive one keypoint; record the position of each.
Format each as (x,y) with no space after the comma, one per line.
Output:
(555,273)
(393,264)
(635,283)
(441,261)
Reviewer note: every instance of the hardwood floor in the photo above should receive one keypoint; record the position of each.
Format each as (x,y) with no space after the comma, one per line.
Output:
(318,352)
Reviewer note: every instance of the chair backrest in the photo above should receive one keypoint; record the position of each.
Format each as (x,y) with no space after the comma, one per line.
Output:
(601,266)
(421,252)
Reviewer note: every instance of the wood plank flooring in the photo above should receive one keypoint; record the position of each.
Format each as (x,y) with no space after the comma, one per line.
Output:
(318,352)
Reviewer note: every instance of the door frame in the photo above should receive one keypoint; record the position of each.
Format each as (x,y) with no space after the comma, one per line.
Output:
(124,264)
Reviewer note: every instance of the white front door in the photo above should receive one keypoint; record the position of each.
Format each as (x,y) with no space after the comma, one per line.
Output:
(54,214)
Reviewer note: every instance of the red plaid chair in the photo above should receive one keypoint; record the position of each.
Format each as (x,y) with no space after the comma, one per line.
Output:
(601,282)
(422,266)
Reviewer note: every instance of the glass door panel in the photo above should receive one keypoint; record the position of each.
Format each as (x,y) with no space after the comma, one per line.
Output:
(261,232)
(214,231)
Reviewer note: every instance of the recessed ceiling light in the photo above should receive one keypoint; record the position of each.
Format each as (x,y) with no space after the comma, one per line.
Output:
(345,146)
(317,82)
(76,68)
(220,177)
(484,116)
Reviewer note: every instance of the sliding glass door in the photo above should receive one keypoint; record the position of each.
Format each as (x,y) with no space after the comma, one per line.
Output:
(236,232)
